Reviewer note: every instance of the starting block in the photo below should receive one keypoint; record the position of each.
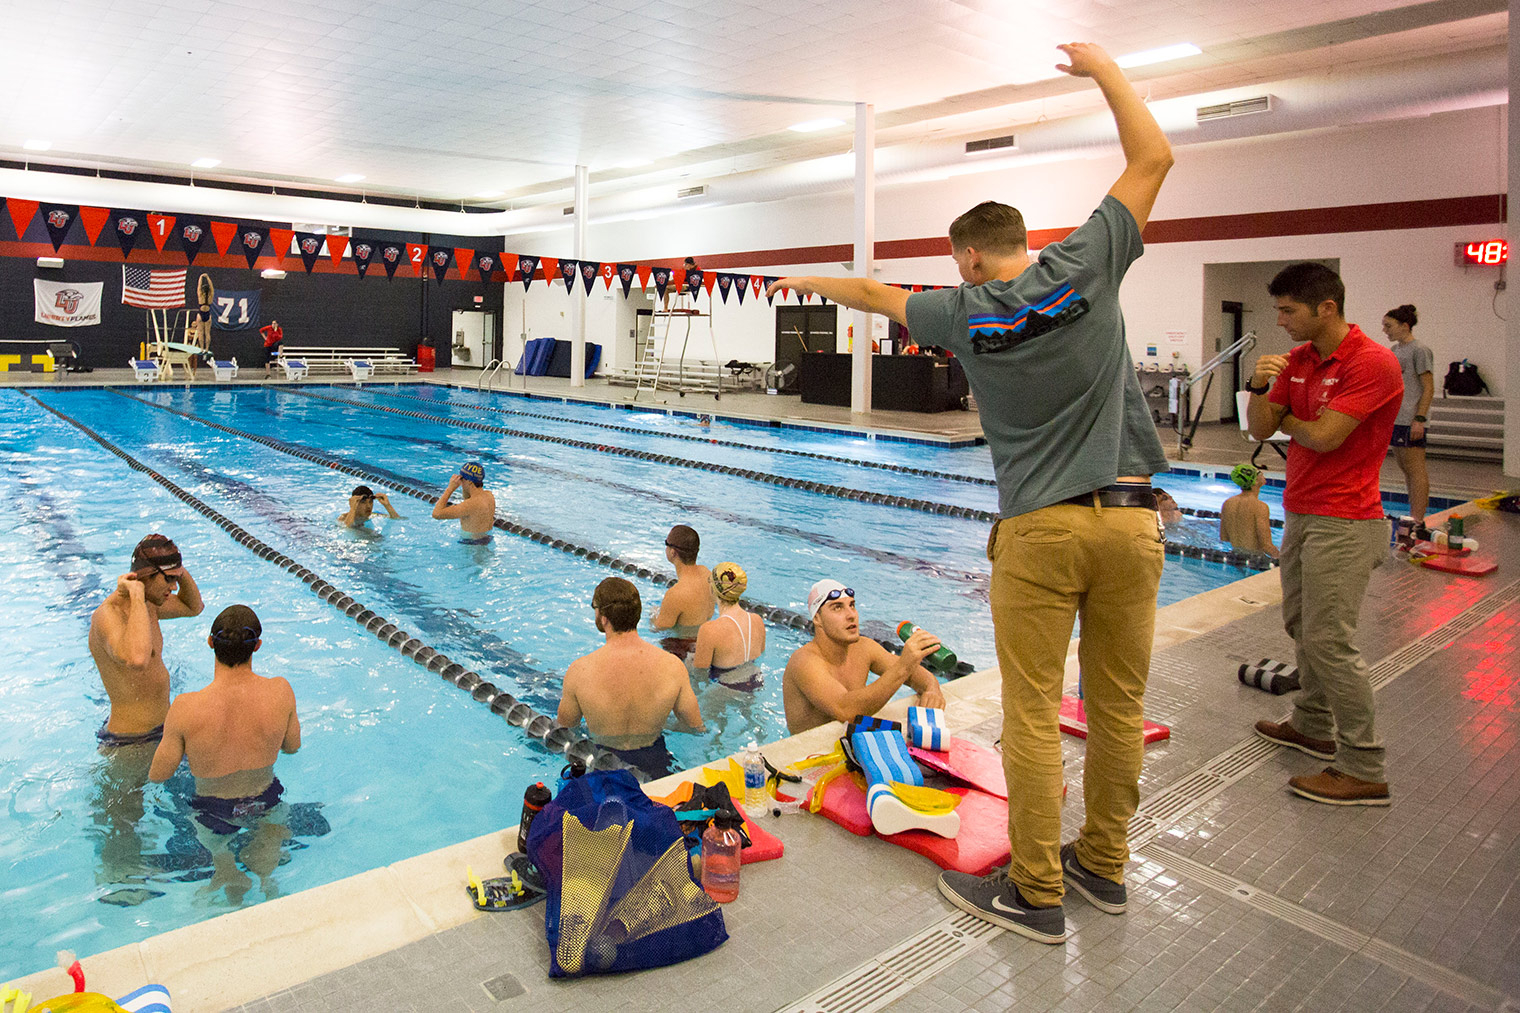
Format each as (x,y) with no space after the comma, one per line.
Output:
(361,369)
(1074,722)
(224,369)
(146,370)
(295,369)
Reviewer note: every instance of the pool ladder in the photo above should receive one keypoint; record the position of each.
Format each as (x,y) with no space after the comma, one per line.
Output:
(488,375)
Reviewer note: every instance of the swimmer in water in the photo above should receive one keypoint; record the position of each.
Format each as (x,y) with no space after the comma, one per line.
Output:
(1244,520)
(1167,507)
(361,503)
(689,602)
(728,645)
(476,512)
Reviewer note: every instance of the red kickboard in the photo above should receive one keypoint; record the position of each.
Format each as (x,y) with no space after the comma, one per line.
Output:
(974,765)
(1466,565)
(1436,549)
(763,845)
(1074,722)
(980,847)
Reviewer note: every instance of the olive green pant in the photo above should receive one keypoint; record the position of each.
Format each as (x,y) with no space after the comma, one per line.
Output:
(1050,566)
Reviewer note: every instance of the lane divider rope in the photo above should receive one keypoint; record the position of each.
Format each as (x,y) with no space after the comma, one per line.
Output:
(516,713)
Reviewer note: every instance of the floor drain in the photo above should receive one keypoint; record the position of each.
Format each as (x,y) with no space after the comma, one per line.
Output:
(504,986)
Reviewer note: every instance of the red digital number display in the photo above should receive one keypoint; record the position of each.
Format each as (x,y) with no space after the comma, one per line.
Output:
(1488,252)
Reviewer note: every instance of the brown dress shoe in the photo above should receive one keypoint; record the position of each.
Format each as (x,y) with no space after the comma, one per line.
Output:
(1334,788)
(1285,734)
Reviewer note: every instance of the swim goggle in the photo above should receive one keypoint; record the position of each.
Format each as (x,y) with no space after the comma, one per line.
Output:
(834,594)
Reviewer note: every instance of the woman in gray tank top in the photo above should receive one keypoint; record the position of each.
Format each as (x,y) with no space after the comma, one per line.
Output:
(1418,365)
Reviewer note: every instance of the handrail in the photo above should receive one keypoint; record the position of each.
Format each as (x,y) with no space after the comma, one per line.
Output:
(1240,347)
(1186,428)
(486,373)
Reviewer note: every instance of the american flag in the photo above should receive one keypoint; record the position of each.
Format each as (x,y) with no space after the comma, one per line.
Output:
(152,290)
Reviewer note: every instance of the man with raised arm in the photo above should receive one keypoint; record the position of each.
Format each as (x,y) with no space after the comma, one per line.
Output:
(128,644)
(1073,446)
(476,511)
(825,679)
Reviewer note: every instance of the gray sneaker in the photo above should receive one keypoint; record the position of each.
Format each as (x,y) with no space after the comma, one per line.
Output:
(995,899)
(1103,894)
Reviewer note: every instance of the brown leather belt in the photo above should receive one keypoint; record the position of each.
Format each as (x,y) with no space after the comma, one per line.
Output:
(1117,496)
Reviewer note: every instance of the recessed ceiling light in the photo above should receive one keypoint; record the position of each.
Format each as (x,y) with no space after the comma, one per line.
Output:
(809,126)
(37,145)
(206,163)
(352,177)
(486,194)
(1161,55)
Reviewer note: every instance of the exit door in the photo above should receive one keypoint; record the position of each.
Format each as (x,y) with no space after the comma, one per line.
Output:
(474,334)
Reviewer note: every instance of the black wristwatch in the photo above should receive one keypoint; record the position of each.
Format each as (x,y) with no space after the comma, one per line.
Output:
(1421,418)
(1264,388)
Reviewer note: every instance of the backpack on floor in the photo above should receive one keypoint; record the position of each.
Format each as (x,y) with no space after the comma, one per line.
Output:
(1462,380)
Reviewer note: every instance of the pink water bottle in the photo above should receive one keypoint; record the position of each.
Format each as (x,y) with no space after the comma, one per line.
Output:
(721,844)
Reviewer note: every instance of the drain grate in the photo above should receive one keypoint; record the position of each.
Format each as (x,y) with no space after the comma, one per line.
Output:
(890,975)
(1397,959)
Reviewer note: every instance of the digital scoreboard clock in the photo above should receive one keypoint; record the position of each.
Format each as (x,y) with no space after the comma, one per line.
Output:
(1488,252)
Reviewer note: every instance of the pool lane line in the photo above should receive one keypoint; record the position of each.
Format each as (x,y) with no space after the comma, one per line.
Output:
(948,476)
(1229,557)
(1215,515)
(772,613)
(537,726)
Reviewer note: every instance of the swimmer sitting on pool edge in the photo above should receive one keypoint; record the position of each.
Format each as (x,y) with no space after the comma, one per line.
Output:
(476,512)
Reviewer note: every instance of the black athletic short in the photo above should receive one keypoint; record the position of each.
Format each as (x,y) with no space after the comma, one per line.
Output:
(1401,438)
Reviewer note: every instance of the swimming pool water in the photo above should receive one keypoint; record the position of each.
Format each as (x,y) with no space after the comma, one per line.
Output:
(394,761)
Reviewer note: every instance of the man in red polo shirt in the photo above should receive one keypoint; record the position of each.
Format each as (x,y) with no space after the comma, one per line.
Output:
(1336,396)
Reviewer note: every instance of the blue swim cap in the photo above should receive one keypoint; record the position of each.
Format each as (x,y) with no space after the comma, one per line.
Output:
(473,472)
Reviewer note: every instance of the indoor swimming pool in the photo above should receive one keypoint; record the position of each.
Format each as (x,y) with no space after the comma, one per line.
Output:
(396,761)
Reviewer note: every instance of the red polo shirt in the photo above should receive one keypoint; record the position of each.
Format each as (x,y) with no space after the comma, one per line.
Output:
(1360,379)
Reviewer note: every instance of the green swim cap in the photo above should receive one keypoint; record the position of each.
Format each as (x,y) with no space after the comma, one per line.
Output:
(1245,475)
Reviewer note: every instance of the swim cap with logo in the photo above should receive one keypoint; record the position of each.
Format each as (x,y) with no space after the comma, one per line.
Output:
(729,581)
(1245,475)
(473,472)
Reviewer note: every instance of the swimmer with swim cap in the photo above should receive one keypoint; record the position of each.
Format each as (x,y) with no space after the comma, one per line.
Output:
(1245,522)
(728,645)
(361,503)
(476,512)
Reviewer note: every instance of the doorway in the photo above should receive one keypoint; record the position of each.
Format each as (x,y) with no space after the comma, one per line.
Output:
(1230,331)
(803,329)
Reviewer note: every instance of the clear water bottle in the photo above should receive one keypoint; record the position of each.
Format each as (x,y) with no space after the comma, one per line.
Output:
(721,844)
(754,780)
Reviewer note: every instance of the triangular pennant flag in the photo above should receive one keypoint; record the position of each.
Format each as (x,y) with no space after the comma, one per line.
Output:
(464,259)
(191,232)
(589,270)
(416,255)
(801,297)
(756,283)
(439,259)
(93,219)
(567,272)
(309,246)
(336,247)
(661,277)
(626,273)
(22,213)
(364,249)
(741,283)
(279,243)
(390,256)
(527,267)
(222,234)
(58,218)
(692,283)
(766,281)
(707,282)
(551,270)
(485,263)
(250,240)
(643,272)
(129,227)
(608,271)
(160,227)
(725,282)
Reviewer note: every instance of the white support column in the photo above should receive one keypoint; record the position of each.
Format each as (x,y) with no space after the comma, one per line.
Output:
(1511,306)
(865,248)
(578,291)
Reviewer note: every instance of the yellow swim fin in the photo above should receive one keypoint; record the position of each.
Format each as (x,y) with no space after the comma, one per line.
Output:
(591,860)
(930,801)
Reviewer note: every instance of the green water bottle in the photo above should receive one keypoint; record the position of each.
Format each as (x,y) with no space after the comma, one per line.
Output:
(942,660)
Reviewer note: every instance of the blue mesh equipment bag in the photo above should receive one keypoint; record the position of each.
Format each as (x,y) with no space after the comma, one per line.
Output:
(621,896)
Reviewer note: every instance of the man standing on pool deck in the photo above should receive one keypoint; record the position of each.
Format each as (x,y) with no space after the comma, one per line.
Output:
(689,602)
(128,645)
(1073,447)
(627,687)
(476,511)
(232,732)
(1337,396)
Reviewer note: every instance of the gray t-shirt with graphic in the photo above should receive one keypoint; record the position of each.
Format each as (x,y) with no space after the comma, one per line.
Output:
(1047,361)
(1414,359)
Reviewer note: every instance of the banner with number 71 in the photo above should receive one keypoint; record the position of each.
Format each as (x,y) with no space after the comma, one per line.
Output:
(236,311)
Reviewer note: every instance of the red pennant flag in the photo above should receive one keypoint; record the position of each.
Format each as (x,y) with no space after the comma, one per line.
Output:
(551,270)
(159,227)
(756,285)
(22,213)
(644,275)
(222,233)
(463,259)
(279,242)
(708,277)
(336,247)
(609,271)
(93,220)
(416,255)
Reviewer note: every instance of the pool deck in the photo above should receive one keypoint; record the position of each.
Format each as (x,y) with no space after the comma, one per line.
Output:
(1242,896)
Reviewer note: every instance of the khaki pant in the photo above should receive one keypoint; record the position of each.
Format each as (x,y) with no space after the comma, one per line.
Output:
(1326,564)
(1048,567)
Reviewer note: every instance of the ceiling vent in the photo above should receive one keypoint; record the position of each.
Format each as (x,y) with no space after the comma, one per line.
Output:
(991,144)
(691,191)
(323,230)
(1244,107)
(570,210)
